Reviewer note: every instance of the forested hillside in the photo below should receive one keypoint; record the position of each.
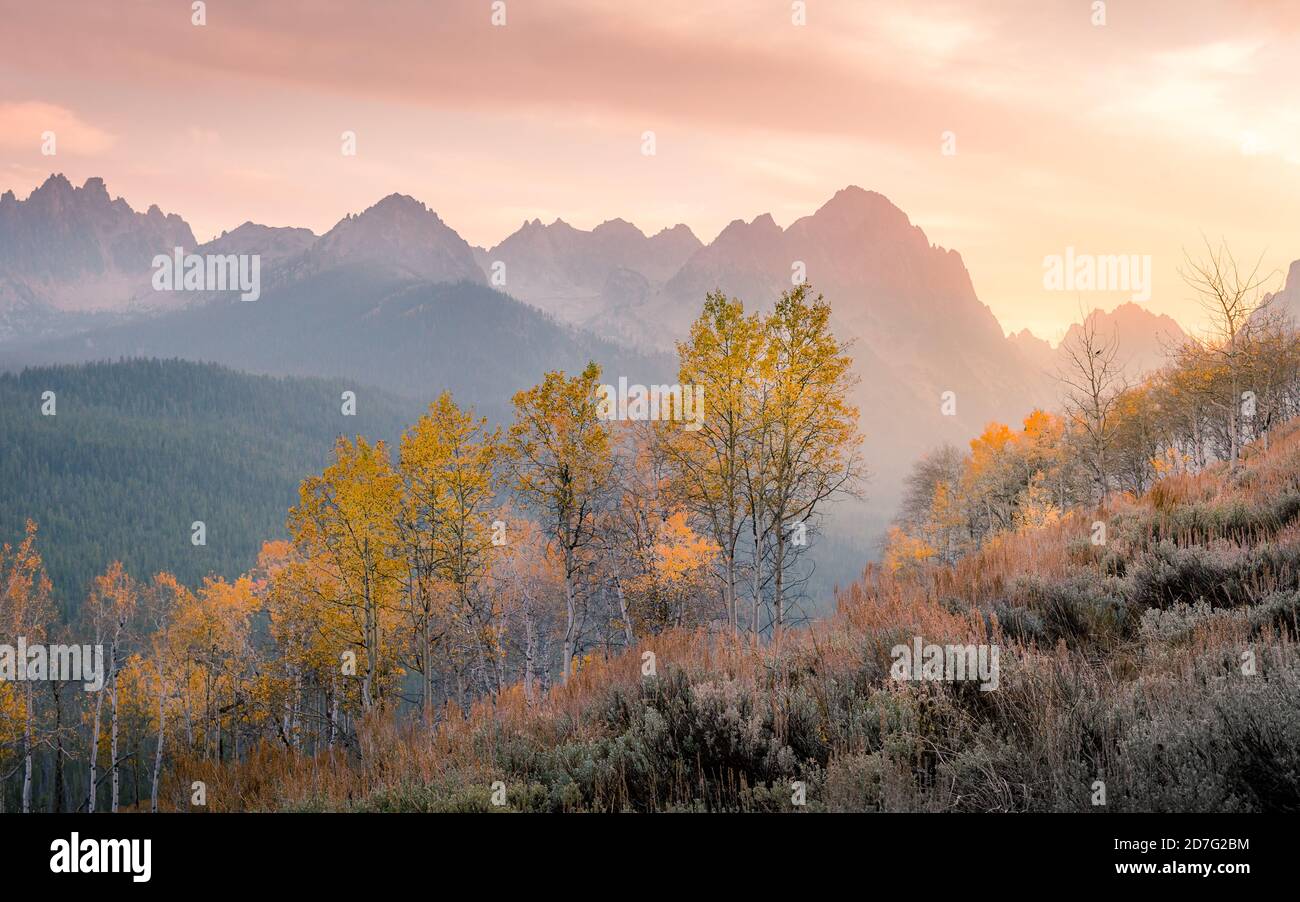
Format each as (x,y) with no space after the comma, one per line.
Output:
(137,450)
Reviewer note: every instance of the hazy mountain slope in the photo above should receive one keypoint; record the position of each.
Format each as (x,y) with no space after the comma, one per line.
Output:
(368,325)
(391,296)
(919,329)
(74,258)
(1287,301)
(273,245)
(399,233)
(394,297)
(908,307)
(580,275)
(1038,352)
(1144,338)
(139,450)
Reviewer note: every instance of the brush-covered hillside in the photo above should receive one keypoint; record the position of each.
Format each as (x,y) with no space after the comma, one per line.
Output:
(1155,672)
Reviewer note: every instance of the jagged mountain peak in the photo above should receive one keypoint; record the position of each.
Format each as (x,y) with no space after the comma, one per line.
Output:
(618,227)
(79,249)
(680,230)
(1286,301)
(738,231)
(273,244)
(394,205)
(855,196)
(567,271)
(401,233)
(1144,338)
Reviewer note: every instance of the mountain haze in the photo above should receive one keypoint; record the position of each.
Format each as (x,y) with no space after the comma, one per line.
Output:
(394,297)
(584,276)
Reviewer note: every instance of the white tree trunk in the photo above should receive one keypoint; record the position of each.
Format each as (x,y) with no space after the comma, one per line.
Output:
(158,751)
(571,617)
(623,614)
(94,749)
(113,749)
(27,751)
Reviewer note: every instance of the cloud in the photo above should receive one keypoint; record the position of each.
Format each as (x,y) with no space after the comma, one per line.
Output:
(23,124)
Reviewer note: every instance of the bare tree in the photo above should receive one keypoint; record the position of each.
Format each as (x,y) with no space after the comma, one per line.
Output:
(1093,380)
(1231,297)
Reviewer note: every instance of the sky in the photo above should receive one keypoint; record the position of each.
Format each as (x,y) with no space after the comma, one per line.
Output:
(1173,122)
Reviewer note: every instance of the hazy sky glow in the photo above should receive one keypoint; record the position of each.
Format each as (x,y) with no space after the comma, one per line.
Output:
(1173,119)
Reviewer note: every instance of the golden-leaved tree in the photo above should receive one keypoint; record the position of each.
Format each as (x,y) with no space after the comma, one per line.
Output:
(26,611)
(721,354)
(345,529)
(812,436)
(562,465)
(449,472)
(109,608)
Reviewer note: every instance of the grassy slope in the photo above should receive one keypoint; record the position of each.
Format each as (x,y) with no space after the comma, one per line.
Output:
(1120,663)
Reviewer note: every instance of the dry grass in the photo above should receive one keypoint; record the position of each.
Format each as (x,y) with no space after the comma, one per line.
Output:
(1119,702)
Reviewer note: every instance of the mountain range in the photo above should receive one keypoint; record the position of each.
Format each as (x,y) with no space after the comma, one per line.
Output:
(1144,340)
(394,297)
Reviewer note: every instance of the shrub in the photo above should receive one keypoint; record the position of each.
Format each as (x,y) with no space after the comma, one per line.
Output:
(1082,610)
(1222,575)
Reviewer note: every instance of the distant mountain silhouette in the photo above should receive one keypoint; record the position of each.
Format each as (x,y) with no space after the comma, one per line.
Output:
(68,252)
(273,244)
(1144,338)
(1287,301)
(394,297)
(1039,352)
(583,276)
(362,322)
(390,297)
(398,234)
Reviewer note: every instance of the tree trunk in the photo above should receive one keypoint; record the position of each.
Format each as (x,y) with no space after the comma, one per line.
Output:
(113,749)
(571,615)
(428,674)
(530,649)
(334,712)
(371,630)
(757,583)
(27,749)
(94,749)
(59,783)
(622,612)
(729,593)
(779,587)
(158,752)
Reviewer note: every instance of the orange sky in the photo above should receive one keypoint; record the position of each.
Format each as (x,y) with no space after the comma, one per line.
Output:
(1174,119)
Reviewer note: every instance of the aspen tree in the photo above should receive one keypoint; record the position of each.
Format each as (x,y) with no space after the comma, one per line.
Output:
(720,355)
(346,529)
(561,464)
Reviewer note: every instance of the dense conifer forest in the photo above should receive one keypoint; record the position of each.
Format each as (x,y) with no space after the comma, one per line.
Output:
(137,450)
